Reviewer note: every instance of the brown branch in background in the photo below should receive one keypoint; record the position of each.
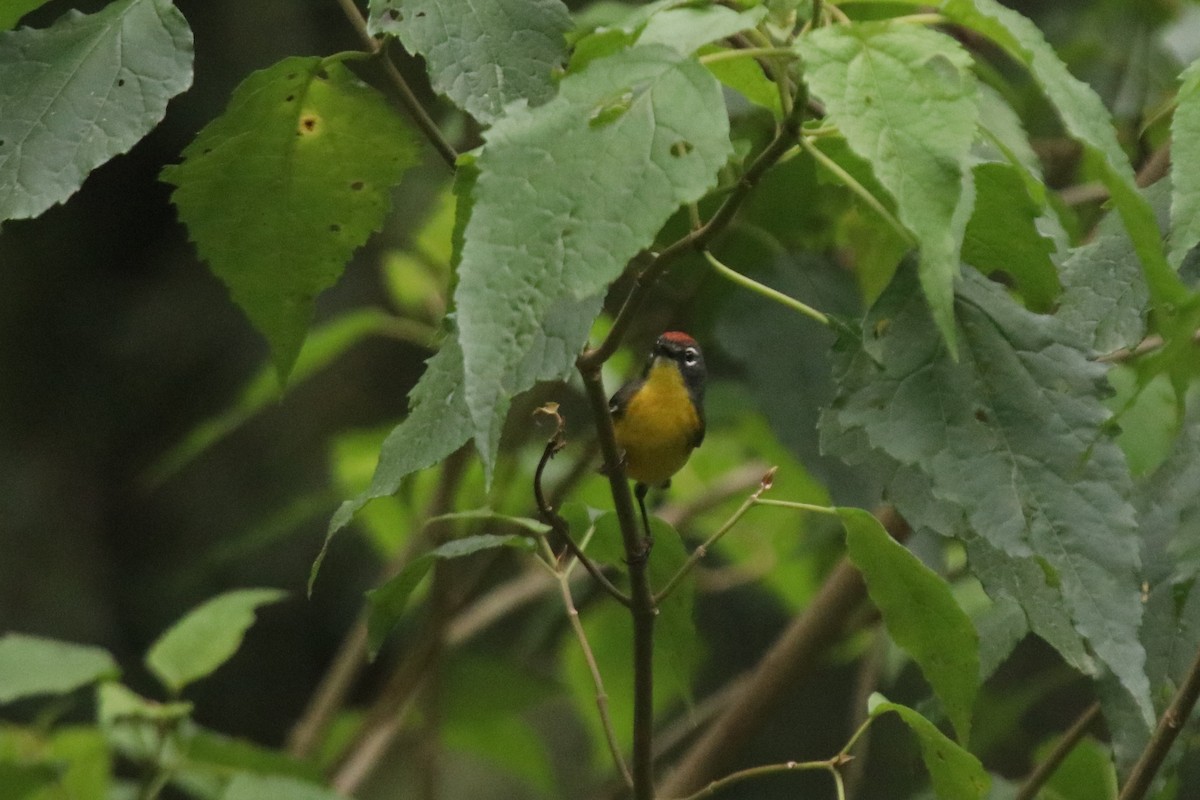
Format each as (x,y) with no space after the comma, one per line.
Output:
(407,98)
(793,654)
(351,655)
(731,484)
(866,682)
(1168,728)
(1042,772)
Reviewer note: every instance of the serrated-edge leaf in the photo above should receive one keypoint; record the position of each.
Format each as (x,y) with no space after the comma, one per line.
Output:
(32,666)
(955,773)
(920,613)
(1012,434)
(76,94)
(482,54)
(387,603)
(1185,176)
(904,98)
(567,193)
(281,189)
(1085,118)
(206,637)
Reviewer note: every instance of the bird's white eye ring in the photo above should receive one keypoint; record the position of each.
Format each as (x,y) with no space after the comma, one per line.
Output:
(690,356)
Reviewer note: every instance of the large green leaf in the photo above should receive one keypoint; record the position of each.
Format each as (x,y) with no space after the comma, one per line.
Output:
(76,94)
(279,190)
(904,98)
(206,637)
(1085,118)
(482,54)
(955,773)
(387,603)
(920,613)
(1185,178)
(30,665)
(567,193)
(1011,437)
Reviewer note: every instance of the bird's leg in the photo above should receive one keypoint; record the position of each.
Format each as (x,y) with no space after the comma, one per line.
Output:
(639,491)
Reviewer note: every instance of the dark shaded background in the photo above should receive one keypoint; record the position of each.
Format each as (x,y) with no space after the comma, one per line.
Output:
(115,341)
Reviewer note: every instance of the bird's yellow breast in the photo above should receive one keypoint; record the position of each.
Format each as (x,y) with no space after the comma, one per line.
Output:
(658,426)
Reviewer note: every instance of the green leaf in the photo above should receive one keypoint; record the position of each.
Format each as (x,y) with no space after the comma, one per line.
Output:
(326,343)
(209,752)
(567,194)
(206,637)
(85,89)
(1085,118)
(279,190)
(745,76)
(920,613)
(904,98)
(688,28)
(1085,774)
(116,705)
(437,424)
(956,774)
(1002,236)
(11,11)
(387,603)
(1104,291)
(31,666)
(1185,151)
(246,786)
(482,54)
(1012,438)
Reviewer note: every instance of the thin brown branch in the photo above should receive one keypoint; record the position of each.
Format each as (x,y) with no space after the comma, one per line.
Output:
(792,655)
(1169,726)
(866,682)
(729,485)
(642,600)
(555,443)
(407,97)
(698,239)
(1042,772)
(330,694)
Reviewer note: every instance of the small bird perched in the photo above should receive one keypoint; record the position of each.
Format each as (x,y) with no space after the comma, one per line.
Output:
(658,417)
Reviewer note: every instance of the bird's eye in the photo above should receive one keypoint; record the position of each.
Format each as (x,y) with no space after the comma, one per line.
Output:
(690,356)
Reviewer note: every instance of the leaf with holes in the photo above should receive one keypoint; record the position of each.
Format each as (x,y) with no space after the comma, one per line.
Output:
(482,54)
(85,89)
(567,194)
(904,98)
(281,189)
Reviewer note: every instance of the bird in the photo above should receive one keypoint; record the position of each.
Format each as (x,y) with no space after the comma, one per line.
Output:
(658,416)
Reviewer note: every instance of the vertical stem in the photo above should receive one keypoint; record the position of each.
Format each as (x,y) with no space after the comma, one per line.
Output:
(1164,736)
(641,599)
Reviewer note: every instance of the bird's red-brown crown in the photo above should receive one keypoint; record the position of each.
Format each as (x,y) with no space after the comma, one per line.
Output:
(678,338)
